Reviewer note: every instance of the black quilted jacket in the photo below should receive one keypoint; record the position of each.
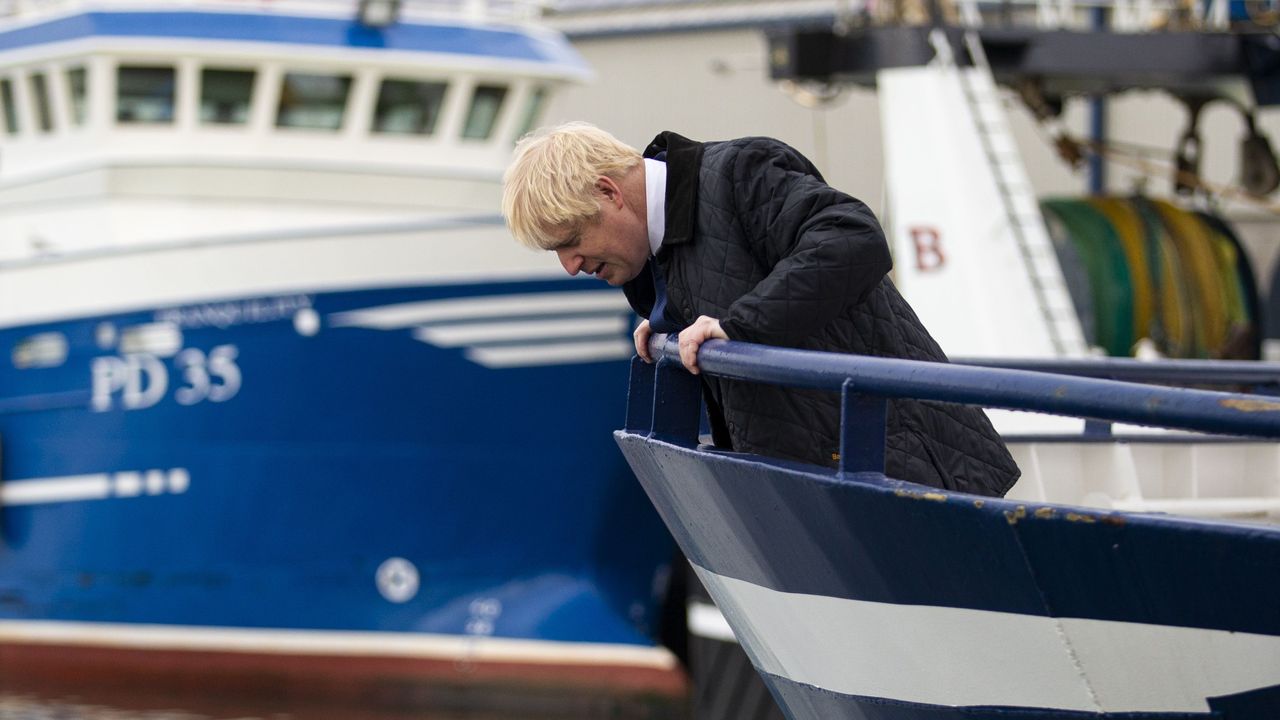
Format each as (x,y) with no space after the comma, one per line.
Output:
(755,238)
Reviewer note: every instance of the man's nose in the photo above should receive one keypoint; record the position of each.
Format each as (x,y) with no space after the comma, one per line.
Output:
(571,261)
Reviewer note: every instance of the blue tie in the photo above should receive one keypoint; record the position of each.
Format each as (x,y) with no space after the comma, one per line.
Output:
(658,318)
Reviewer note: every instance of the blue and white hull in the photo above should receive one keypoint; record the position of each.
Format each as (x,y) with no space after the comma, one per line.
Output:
(864,597)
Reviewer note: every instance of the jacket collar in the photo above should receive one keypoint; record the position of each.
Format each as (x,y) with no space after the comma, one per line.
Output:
(684,159)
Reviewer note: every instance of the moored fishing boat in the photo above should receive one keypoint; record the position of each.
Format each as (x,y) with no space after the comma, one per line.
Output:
(283,401)
(860,596)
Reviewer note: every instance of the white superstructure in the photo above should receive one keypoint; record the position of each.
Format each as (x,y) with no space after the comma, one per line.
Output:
(121,122)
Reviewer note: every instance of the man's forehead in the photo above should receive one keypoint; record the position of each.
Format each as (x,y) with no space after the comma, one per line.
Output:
(563,236)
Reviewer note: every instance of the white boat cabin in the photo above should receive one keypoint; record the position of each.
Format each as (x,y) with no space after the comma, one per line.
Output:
(270,120)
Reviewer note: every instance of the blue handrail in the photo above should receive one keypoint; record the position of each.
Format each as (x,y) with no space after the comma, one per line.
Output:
(1180,372)
(866,381)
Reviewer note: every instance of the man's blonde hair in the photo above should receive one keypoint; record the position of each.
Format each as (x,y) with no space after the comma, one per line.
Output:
(551,181)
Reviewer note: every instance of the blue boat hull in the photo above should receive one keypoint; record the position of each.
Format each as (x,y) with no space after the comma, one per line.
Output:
(865,597)
(280,471)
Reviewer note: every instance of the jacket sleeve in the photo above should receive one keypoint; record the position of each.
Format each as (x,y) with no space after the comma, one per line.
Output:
(824,250)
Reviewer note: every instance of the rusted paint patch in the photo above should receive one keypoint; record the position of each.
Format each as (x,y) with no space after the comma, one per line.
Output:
(1077,517)
(920,495)
(1013,516)
(1046,513)
(979,503)
(1250,405)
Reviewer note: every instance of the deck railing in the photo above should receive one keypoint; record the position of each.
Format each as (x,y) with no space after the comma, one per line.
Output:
(1257,377)
(664,400)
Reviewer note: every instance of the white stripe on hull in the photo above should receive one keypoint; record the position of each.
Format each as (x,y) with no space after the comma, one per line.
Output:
(97,486)
(392,317)
(495,332)
(508,356)
(514,330)
(330,642)
(961,657)
(51,490)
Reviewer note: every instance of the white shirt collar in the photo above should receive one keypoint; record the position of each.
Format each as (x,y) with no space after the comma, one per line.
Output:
(655,192)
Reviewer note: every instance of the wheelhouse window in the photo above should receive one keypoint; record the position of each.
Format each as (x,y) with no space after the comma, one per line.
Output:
(225,96)
(40,96)
(408,107)
(144,94)
(532,111)
(77,88)
(10,108)
(315,102)
(486,103)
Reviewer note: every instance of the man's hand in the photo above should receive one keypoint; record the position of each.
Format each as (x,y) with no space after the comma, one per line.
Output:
(641,336)
(691,338)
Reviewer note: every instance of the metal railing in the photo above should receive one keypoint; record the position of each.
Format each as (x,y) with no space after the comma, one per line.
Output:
(1260,377)
(664,399)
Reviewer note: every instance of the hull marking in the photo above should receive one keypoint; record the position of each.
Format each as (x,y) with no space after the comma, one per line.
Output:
(509,331)
(98,486)
(457,335)
(404,315)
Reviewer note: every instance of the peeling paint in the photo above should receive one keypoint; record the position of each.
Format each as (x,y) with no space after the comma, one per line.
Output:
(1250,405)
(1045,513)
(979,503)
(918,495)
(1013,516)
(1077,517)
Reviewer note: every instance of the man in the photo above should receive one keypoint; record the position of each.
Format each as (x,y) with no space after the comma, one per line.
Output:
(743,240)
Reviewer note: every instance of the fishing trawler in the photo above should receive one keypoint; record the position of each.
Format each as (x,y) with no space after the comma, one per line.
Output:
(272,356)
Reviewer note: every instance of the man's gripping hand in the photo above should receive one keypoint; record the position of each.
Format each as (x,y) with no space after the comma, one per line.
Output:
(691,338)
(641,335)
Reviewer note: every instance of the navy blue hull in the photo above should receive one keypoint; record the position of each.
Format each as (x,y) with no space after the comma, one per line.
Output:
(336,452)
(781,541)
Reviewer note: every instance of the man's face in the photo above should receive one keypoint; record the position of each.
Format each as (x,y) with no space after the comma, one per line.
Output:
(614,248)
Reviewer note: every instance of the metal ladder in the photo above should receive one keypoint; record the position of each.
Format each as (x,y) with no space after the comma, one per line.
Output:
(1018,200)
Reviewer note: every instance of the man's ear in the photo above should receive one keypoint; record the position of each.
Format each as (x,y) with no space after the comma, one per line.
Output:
(610,190)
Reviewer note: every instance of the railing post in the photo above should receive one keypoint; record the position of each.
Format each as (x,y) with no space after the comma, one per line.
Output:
(677,403)
(640,397)
(1097,428)
(862,431)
